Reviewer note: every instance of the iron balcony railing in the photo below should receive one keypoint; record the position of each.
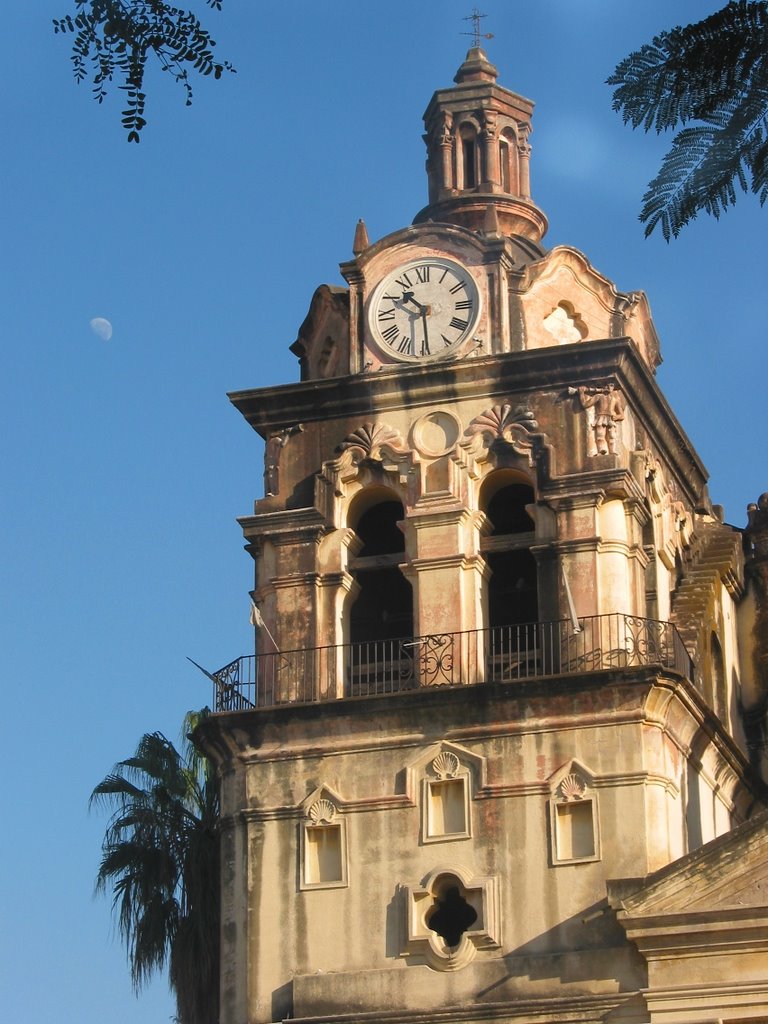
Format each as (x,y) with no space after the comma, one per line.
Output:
(500,654)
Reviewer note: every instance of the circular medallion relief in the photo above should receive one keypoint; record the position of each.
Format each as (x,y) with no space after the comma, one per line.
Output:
(436,433)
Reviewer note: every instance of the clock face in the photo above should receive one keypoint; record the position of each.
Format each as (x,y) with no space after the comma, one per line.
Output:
(424,310)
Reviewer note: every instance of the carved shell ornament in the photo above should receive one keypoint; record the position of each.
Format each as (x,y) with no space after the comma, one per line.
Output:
(502,424)
(446,765)
(572,787)
(322,812)
(368,441)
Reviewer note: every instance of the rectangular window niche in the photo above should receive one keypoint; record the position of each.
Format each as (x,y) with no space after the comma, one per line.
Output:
(324,860)
(575,837)
(447,810)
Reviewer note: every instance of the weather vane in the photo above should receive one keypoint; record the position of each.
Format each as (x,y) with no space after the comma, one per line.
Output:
(476,34)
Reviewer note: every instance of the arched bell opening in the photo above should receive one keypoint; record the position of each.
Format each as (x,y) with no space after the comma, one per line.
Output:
(513,591)
(513,642)
(381,616)
(508,163)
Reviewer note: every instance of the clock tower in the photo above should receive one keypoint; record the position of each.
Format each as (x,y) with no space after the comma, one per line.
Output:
(489,759)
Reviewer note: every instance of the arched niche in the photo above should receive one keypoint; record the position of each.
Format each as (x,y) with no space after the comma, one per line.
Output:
(512,595)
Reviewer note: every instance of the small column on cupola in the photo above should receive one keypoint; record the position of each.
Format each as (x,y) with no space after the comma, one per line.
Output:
(478,153)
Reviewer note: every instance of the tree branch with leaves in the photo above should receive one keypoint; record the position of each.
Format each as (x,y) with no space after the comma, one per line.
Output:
(714,72)
(117,38)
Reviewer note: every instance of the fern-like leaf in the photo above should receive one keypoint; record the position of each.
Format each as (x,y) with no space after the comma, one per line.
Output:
(716,72)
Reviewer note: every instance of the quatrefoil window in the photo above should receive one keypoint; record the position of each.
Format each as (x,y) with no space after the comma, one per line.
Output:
(451,916)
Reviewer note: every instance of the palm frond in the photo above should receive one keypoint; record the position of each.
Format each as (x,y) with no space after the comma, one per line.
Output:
(160,860)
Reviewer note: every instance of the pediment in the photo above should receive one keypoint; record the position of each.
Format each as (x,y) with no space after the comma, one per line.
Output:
(566,300)
(729,873)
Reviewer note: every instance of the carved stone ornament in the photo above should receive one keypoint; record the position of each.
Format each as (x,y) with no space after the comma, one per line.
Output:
(501,425)
(272,451)
(373,441)
(322,812)
(490,126)
(572,788)
(445,129)
(446,765)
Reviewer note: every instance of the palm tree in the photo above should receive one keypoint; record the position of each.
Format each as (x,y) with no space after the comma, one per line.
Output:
(714,72)
(160,858)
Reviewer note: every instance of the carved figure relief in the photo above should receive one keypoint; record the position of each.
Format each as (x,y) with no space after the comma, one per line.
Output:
(604,408)
(272,452)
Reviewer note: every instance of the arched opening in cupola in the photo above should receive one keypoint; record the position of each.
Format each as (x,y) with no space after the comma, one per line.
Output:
(468,156)
(508,163)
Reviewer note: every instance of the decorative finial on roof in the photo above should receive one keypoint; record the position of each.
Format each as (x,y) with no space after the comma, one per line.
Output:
(361,242)
(475,17)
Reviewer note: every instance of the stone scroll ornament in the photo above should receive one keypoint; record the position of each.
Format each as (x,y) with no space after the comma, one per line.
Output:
(604,407)
(503,426)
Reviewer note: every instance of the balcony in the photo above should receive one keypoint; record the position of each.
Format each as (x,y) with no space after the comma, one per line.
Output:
(503,654)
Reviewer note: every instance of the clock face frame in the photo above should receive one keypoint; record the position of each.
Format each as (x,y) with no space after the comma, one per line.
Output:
(424,310)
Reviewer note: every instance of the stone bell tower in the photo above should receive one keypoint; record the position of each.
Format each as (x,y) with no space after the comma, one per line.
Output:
(488,760)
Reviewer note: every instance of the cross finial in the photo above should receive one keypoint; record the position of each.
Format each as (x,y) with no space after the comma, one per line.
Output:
(475,17)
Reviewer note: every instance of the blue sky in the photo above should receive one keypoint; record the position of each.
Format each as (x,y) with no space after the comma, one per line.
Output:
(123,464)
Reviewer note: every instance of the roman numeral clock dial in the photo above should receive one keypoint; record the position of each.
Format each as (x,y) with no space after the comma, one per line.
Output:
(425,310)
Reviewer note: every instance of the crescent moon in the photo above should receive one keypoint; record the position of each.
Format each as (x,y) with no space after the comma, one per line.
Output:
(101,328)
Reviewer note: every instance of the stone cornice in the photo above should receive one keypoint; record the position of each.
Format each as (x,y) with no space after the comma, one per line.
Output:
(522,374)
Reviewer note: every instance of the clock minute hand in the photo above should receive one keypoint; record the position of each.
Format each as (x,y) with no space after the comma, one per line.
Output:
(425,343)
